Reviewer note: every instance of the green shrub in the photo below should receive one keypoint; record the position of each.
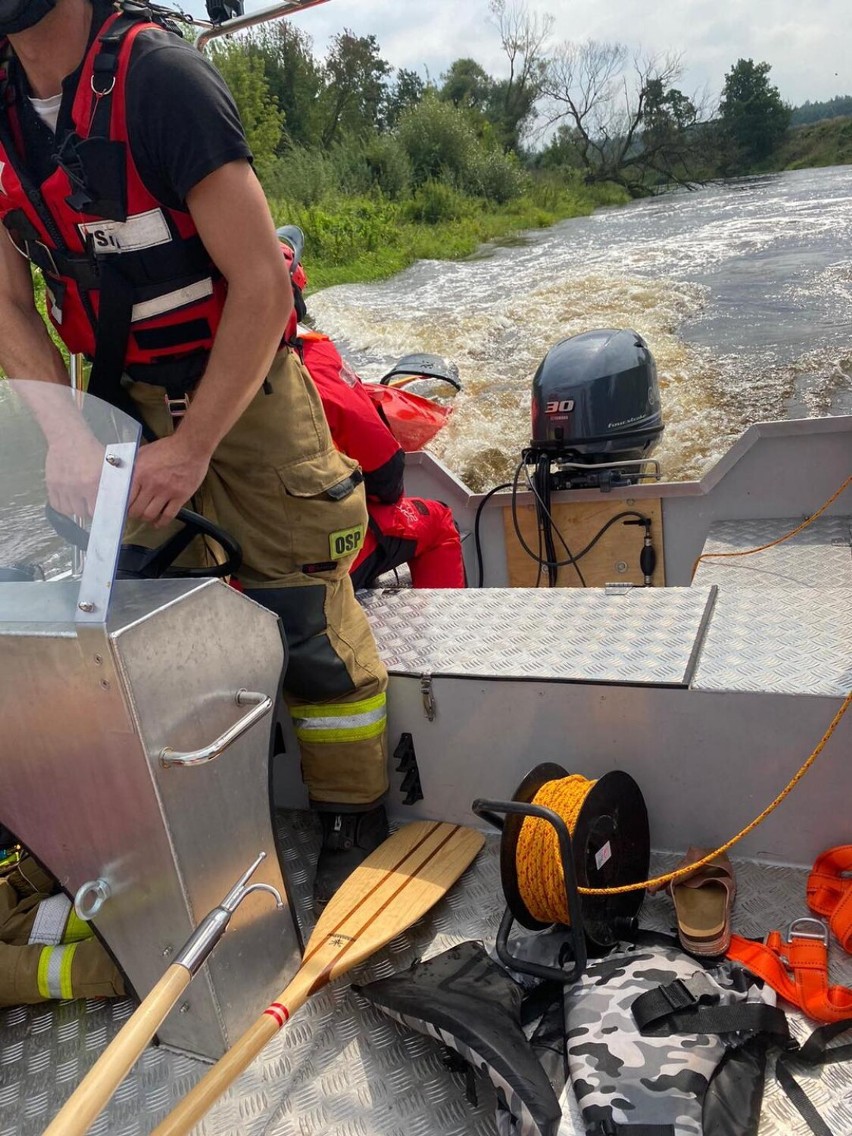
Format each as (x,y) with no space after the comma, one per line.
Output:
(389,166)
(496,176)
(341,229)
(352,175)
(435,201)
(438,140)
(303,175)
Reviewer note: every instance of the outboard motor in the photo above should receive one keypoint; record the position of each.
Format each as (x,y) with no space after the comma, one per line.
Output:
(596,409)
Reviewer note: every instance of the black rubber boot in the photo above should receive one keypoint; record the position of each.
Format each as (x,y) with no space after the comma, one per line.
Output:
(347,839)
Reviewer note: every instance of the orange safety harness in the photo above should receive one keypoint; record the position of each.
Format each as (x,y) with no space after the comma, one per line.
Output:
(797,967)
(830,892)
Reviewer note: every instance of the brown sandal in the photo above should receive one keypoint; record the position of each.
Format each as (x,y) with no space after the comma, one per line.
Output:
(703,902)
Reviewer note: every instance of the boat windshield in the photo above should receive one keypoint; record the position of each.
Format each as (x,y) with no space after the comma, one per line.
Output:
(66,461)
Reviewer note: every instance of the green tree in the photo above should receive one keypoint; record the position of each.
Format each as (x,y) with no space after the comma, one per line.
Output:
(439,141)
(406,92)
(262,120)
(293,75)
(626,121)
(354,93)
(466,85)
(839,106)
(524,37)
(753,114)
(444,150)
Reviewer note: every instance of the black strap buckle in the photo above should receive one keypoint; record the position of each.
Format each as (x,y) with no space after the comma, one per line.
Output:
(686,992)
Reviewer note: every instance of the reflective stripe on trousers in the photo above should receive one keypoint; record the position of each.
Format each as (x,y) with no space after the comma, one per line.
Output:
(54,971)
(57,922)
(342,721)
(50,919)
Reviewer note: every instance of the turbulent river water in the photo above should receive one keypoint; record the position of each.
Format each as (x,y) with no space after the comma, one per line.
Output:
(742,289)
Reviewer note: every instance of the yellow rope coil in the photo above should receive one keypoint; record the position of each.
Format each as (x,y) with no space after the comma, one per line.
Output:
(541,881)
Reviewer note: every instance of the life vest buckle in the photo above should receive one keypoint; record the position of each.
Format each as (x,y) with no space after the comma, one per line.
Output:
(820,935)
(178,406)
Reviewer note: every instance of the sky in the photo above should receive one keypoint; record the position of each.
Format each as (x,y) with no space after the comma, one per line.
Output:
(805,41)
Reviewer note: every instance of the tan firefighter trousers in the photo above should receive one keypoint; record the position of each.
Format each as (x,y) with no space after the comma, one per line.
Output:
(297,508)
(45,950)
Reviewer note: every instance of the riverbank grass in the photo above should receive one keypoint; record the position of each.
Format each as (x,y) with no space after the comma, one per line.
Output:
(826,143)
(354,240)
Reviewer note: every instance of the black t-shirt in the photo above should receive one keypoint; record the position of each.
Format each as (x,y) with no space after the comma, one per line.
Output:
(182,121)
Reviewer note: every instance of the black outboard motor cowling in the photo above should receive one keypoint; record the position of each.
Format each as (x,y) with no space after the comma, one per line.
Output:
(595,399)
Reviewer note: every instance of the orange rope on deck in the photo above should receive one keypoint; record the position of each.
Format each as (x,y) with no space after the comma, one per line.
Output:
(779,540)
(539,868)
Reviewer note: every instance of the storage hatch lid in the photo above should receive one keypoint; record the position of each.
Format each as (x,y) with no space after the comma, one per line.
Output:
(644,636)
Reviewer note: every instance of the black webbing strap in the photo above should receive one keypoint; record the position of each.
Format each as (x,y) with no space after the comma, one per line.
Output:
(610,1128)
(813,1054)
(115,308)
(115,312)
(692,1006)
(55,264)
(105,66)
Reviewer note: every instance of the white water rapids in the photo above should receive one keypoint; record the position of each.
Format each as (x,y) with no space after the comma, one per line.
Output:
(742,289)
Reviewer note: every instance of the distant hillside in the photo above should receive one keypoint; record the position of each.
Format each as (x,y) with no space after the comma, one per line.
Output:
(827,143)
(808,112)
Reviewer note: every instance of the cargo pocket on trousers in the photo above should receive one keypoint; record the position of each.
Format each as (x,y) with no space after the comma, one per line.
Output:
(326,512)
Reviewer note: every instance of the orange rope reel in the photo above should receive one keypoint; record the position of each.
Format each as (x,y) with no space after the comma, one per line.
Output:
(610,845)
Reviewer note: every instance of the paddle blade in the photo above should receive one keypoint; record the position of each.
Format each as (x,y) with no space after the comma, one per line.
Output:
(394,887)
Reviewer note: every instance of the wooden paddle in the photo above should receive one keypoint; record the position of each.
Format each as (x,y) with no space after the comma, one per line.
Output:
(393,888)
(92,1094)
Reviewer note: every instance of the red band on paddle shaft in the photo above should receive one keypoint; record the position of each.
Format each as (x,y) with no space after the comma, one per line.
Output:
(277,1011)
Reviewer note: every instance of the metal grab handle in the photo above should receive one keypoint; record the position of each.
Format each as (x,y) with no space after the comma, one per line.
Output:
(261,705)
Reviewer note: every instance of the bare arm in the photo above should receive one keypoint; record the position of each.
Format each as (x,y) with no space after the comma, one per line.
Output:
(233,220)
(74,458)
(26,349)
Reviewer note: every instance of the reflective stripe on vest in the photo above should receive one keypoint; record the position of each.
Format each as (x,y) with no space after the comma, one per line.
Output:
(341,722)
(51,918)
(54,972)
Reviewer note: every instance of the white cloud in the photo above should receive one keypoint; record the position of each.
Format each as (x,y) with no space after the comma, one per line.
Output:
(805,44)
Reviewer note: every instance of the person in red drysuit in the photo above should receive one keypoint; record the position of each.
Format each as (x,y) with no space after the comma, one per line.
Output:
(401,530)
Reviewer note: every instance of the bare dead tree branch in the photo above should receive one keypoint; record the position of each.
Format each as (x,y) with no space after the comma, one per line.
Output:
(626,120)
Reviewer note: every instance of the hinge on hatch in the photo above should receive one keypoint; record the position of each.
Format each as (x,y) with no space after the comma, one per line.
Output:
(619,588)
(429,708)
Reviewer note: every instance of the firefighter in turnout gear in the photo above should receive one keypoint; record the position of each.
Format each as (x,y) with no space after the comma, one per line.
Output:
(46,952)
(125,177)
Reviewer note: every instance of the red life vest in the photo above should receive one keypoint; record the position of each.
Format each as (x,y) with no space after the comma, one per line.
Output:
(102,241)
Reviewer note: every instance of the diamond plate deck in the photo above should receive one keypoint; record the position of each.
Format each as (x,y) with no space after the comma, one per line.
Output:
(787,641)
(340,1068)
(818,557)
(782,621)
(641,636)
